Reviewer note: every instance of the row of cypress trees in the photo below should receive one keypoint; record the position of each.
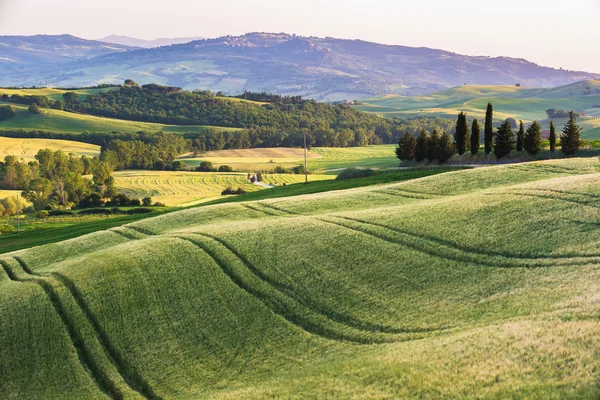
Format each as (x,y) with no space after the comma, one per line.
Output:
(435,146)
(502,142)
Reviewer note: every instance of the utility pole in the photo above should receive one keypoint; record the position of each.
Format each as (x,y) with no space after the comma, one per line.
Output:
(305,170)
(18,209)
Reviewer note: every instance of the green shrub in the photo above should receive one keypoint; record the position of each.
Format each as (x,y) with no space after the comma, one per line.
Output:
(205,166)
(351,173)
(225,168)
(229,191)
(6,228)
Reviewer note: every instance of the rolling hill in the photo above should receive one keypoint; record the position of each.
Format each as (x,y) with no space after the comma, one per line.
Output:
(522,103)
(146,44)
(67,122)
(20,51)
(325,69)
(27,148)
(480,283)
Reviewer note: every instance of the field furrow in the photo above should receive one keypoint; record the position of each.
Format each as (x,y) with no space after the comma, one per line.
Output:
(286,305)
(126,370)
(88,361)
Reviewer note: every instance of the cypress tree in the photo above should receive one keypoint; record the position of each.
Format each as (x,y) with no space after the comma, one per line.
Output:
(475,137)
(421,146)
(532,142)
(570,136)
(444,148)
(489,129)
(431,144)
(520,136)
(462,130)
(405,150)
(552,137)
(504,142)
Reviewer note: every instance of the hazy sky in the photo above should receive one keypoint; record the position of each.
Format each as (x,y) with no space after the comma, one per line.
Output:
(556,33)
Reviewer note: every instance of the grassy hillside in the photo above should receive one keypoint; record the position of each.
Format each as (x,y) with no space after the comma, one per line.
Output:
(63,121)
(524,103)
(184,188)
(479,283)
(54,94)
(28,148)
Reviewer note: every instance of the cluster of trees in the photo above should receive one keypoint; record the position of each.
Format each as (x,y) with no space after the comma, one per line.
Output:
(207,166)
(386,132)
(270,98)
(7,112)
(158,152)
(502,141)
(553,114)
(56,179)
(435,146)
(10,206)
(36,101)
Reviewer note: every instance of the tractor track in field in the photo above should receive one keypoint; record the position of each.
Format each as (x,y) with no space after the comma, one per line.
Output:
(291,294)
(85,357)
(280,306)
(466,254)
(130,376)
(507,260)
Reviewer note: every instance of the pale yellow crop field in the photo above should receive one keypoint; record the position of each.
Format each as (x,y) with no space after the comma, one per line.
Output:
(27,148)
(178,188)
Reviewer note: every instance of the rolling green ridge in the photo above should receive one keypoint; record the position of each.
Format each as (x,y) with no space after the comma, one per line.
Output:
(524,103)
(67,122)
(476,283)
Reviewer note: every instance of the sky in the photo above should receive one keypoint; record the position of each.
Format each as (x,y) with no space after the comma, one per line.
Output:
(548,32)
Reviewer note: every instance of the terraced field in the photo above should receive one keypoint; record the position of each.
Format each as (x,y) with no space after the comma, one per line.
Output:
(320,159)
(27,148)
(186,188)
(477,283)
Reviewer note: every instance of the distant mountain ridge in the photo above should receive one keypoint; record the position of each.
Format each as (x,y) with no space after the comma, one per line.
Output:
(146,44)
(18,51)
(320,68)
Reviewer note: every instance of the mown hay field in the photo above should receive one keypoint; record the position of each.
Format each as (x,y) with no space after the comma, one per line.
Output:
(186,188)
(319,159)
(478,283)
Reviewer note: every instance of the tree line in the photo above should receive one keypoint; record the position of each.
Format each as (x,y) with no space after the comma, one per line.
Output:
(501,141)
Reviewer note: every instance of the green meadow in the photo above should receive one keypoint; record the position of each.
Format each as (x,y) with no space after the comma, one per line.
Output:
(478,283)
(329,160)
(67,122)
